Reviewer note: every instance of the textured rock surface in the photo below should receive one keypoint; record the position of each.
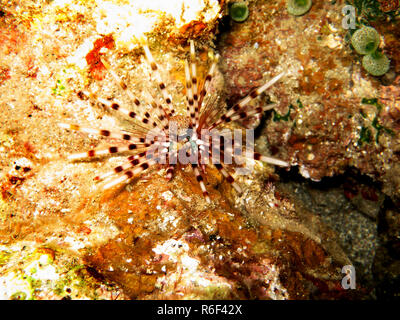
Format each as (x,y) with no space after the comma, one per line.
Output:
(176,246)
(323,130)
(161,240)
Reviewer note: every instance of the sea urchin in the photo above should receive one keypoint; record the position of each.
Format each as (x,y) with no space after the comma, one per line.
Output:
(163,137)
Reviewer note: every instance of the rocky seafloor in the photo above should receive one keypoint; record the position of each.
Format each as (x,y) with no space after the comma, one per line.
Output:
(291,230)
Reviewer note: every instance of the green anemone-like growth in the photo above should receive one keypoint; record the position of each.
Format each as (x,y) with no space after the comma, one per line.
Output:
(365,40)
(239,11)
(298,7)
(376,63)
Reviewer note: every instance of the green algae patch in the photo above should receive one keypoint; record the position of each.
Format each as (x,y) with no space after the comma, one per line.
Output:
(366,132)
(44,273)
(365,136)
(376,64)
(365,40)
(285,117)
(239,11)
(298,7)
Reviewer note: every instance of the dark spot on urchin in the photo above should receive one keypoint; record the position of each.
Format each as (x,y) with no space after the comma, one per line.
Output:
(129,174)
(118,169)
(243,114)
(113,150)
(132,114)
(236,107)
(253,94)
(144,166)
(123,86)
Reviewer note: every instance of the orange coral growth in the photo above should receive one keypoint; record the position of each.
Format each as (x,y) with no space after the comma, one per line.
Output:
(4,75)
(11,39)
(96,67)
